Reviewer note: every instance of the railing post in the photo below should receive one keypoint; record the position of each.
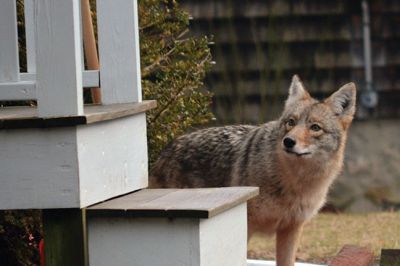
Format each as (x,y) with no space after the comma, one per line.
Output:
(59,65)
(9,60)
(118,33)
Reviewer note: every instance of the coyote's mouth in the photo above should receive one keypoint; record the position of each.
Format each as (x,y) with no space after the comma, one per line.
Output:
(297,153)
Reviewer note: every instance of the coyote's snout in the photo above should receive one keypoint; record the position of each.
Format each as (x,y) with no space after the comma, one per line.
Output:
(293,160)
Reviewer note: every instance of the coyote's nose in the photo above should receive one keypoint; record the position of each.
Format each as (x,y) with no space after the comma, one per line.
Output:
(289,142)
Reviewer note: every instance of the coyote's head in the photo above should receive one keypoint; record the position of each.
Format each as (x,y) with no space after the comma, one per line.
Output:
(315,129)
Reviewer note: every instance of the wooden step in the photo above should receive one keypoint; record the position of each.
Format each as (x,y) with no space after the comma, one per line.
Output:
(193,203)
(27,116)
(168,227)
(72,161)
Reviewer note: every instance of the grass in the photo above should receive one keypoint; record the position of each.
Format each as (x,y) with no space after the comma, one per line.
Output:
(326,234)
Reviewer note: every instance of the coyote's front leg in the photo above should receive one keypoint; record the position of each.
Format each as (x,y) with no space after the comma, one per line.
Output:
(287,240)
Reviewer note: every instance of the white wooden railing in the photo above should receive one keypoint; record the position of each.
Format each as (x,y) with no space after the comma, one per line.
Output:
(55,69)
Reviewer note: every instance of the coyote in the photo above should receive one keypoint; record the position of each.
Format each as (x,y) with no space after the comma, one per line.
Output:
(293,160)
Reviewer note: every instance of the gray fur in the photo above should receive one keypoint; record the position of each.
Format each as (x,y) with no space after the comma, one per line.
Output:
(293,183)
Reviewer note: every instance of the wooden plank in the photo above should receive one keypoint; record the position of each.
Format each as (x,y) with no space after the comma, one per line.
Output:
(22,90)
(90,78)
(59,66)
(390,257)
(200,203)
(9,60)
(98,113)
(29,10)
(118,39)
(27,117)
(65,237)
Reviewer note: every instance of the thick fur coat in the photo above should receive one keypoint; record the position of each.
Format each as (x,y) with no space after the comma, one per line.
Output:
(293,160)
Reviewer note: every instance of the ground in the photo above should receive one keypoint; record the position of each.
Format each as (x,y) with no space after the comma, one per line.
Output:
(326,234)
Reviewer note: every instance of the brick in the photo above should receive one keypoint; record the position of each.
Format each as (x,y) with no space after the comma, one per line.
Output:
(351,255)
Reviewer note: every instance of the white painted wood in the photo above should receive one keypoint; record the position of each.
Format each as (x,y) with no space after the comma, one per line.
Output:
(9,62)
(223,239)
(90,78)
(38,169)
(72,167)
(26,88)
(59,67)
(23,90)
(143,241)
(220,240)
(29,11)
(81,33)
(118,39)
(28,77)
(113,158)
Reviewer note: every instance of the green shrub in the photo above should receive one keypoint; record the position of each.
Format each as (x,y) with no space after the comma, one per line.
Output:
(173,69)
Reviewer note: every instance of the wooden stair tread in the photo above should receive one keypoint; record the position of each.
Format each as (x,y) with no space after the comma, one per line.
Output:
(27,117)
(192,202)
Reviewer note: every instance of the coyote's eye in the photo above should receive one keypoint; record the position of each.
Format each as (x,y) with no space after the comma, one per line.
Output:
(315,127)
(290,122)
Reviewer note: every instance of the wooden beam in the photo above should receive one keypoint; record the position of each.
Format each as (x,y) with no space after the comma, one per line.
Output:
(65,238)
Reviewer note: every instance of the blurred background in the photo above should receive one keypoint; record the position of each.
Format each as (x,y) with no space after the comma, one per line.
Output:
(258,45)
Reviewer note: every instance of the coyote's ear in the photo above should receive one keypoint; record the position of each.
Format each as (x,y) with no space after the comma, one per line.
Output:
(343,102)
(297,92)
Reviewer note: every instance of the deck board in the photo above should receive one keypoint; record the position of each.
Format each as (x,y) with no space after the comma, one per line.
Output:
(27,116)
(194,203)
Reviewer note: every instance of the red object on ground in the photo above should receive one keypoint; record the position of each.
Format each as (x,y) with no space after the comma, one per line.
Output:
(351,255)
(41,252)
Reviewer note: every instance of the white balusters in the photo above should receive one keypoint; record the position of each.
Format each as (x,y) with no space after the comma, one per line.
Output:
(58,58)
(118,33)
(9,60)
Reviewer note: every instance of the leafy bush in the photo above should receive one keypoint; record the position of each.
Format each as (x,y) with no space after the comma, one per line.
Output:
(173,69)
